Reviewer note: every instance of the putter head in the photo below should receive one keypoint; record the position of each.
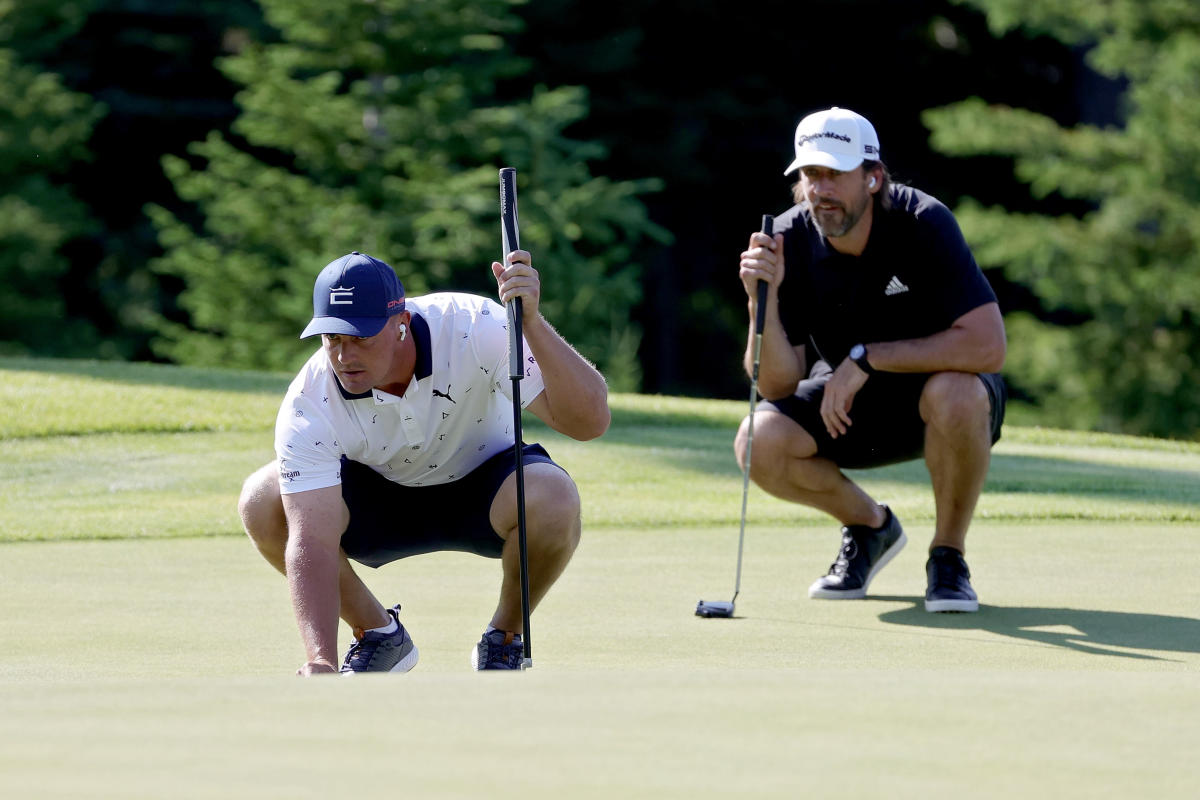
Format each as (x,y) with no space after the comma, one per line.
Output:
(714,608)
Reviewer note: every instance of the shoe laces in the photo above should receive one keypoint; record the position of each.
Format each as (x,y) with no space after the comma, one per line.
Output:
(362,649)
(510,651)
(847,551)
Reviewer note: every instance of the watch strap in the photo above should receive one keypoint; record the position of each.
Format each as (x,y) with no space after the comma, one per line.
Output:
(862,362)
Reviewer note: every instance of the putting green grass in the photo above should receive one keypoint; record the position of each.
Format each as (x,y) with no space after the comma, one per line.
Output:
(147,651)
(174,679)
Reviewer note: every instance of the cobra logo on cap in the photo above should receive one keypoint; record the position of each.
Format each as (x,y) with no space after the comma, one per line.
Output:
(341,296)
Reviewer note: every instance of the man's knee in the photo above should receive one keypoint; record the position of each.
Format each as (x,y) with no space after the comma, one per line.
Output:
(552,505)
(739,442)
(954,401)
(260,506)
(764,442)
(777,439)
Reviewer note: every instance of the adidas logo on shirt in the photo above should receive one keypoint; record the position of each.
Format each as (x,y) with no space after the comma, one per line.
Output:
(895,287)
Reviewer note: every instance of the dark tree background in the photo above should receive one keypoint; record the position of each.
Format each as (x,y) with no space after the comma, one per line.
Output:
(700,95)
(148,68)
(707,94)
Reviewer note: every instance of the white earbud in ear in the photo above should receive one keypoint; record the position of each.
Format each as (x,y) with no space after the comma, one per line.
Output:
(871,183)
(403,331)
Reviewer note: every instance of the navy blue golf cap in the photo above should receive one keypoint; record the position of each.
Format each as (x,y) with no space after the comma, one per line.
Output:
(354,296)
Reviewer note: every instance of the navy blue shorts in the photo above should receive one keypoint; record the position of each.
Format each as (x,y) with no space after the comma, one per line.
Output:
(886,414)
(389,521)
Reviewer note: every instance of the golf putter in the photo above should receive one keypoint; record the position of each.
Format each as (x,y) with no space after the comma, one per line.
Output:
(720,608)
(510,239)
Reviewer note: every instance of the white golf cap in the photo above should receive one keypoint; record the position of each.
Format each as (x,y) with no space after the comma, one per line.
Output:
(836,138)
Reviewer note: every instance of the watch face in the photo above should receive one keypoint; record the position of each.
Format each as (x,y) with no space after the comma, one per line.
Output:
(858,351)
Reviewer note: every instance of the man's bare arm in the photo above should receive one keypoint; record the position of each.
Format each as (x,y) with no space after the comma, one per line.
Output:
(975,342)
(575,399)
(316,521)
(781,365)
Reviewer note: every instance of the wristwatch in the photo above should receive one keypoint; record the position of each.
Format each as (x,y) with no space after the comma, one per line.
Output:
(858,354)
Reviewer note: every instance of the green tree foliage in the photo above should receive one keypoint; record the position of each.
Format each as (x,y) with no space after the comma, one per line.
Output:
(44,129)
(1128,269)
(377,126)
(147,69)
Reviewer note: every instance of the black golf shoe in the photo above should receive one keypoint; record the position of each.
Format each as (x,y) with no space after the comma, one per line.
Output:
(949,586)
(864,552)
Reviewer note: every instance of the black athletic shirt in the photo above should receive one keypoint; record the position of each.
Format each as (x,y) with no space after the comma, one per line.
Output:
(913,279)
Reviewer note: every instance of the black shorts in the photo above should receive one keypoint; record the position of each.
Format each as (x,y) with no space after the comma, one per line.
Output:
(886,414)
(389,521)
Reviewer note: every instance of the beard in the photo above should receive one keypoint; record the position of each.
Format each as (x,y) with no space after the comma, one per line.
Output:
(837,221)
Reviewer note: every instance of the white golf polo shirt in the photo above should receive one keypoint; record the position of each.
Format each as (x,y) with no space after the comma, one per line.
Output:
(456,412)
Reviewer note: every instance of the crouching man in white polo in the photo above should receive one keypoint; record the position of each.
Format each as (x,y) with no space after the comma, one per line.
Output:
(396,438)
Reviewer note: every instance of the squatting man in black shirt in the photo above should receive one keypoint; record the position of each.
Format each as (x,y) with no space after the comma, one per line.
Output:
(881,344)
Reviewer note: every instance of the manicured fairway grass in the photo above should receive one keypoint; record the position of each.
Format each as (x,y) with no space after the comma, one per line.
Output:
(146,651)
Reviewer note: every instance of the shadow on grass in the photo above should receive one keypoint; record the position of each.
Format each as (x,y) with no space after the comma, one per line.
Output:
(146,374)
(709,450)
(1024,474)
(1082,630)
(1010,473)
(624,417)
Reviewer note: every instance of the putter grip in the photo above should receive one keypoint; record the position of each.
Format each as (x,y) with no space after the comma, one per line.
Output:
(510,237)
(511,240)
(760,316)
